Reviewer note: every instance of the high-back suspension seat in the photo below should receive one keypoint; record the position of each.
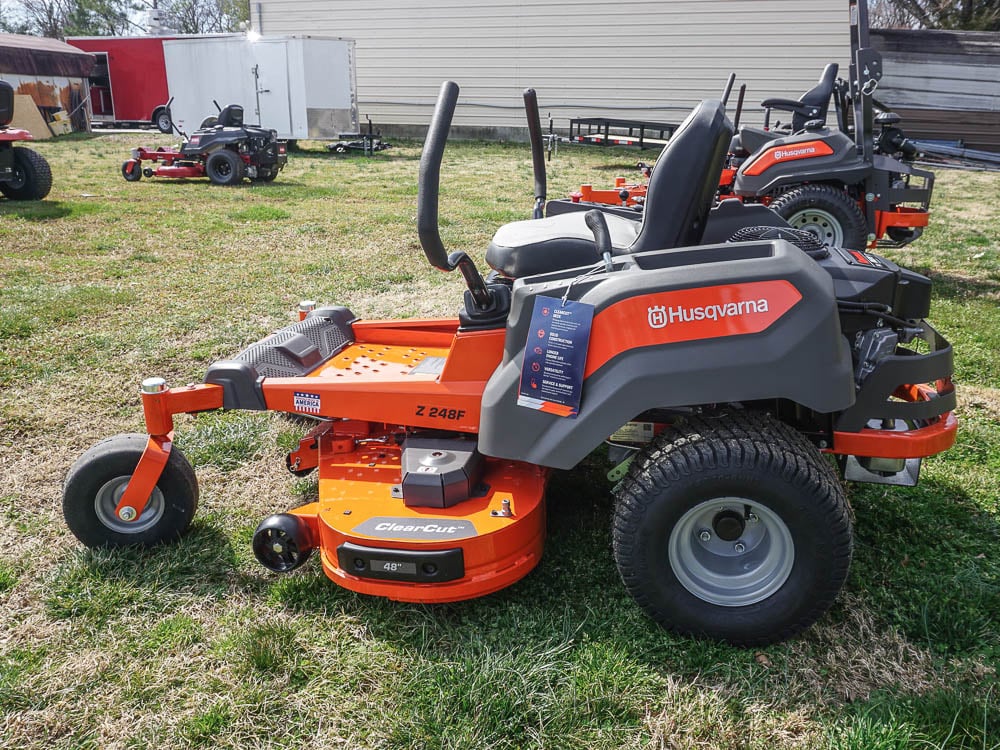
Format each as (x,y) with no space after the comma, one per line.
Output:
(814,105)
(679,196)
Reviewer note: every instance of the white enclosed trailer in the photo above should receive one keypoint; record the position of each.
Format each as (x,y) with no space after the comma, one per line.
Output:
(301,86)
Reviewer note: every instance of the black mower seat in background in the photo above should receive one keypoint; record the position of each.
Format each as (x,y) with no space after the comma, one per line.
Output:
(231,116)
(6,104)
(678,199)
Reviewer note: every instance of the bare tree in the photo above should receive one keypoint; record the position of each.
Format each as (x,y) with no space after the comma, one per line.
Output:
(969,15)
(204,16)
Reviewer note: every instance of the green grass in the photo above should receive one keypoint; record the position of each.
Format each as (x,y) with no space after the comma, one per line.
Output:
(194,645)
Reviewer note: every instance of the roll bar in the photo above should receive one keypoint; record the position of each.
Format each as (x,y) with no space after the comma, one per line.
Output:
(537,157)
(427,199)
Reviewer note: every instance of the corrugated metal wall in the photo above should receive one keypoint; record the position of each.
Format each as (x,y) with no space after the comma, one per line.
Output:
(639,60)
(943,83)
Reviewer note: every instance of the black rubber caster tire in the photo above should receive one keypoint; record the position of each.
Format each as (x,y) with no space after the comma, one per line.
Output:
(131,173)
(825,211)
(98,478)
(32,176)
(732,528)
(281,542)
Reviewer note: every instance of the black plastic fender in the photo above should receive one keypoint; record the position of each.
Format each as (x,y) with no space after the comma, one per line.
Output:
(792,350)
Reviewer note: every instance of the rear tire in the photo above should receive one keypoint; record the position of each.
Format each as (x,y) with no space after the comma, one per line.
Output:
(732,528)
(32,177)
(99,477)
(225,167)
(825,211)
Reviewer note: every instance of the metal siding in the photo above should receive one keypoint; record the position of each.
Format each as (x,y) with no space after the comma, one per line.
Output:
(648,60)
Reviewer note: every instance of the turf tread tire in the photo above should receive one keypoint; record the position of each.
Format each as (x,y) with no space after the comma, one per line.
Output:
(835,202)
(118,456)
(235,169)
(37,176)
(729,442)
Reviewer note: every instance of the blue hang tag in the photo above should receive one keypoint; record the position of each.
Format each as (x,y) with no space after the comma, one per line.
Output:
(555,355)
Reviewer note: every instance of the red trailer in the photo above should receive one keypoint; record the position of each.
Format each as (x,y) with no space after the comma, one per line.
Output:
(129,83)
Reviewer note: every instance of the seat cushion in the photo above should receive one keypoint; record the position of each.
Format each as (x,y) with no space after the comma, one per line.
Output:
(526,248)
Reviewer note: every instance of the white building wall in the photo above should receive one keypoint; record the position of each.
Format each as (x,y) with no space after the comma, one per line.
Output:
(638,60)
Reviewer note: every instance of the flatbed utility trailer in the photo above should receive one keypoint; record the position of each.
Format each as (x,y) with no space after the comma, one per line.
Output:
(607,131)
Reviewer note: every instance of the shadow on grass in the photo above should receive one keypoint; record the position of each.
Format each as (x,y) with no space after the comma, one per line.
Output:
(35,210)
(954,287)
(924,559)
(96,586)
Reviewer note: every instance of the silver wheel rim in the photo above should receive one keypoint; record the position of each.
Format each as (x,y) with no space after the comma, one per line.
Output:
(714,570)
(107,500)
(821,223)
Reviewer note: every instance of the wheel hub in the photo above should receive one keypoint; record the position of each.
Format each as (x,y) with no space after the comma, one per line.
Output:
(821,223)
(728,525)
(731,552)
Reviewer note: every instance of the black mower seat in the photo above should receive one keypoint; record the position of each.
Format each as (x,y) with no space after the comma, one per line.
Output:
(231,116)
(679,196)
(6,104)
(812,105)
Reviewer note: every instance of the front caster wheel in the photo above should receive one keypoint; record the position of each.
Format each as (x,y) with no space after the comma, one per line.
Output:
(734,528)
(281,542)
(95,485)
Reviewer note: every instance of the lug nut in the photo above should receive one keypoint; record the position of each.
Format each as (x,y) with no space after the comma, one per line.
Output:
(705,535)
(740,548)
(752,518)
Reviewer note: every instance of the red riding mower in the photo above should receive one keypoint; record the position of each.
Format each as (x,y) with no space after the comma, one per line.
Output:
(853,187)
(222,149)
(720,374)
(24,174)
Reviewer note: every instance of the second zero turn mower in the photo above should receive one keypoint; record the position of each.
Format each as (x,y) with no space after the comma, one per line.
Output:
(223,149)
(731,380)
(854,187)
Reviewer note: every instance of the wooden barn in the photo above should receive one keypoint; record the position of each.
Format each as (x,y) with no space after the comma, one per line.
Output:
(944,84)
(52,73)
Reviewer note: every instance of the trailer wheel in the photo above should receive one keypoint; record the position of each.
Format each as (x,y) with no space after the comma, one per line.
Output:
(826,211)
(95,485)
(225,167)
(733,528)
(132,170)
(32,178)
(163,121)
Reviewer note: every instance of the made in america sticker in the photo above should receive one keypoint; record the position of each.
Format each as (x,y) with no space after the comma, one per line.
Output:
(307,402)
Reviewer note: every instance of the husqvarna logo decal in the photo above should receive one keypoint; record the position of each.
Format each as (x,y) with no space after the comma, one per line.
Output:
(660,316)
(793,152)
(675,316)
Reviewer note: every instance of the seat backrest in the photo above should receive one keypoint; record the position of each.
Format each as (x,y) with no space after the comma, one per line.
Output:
(818,97)
(231,116)
(6,104)
(685,180)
